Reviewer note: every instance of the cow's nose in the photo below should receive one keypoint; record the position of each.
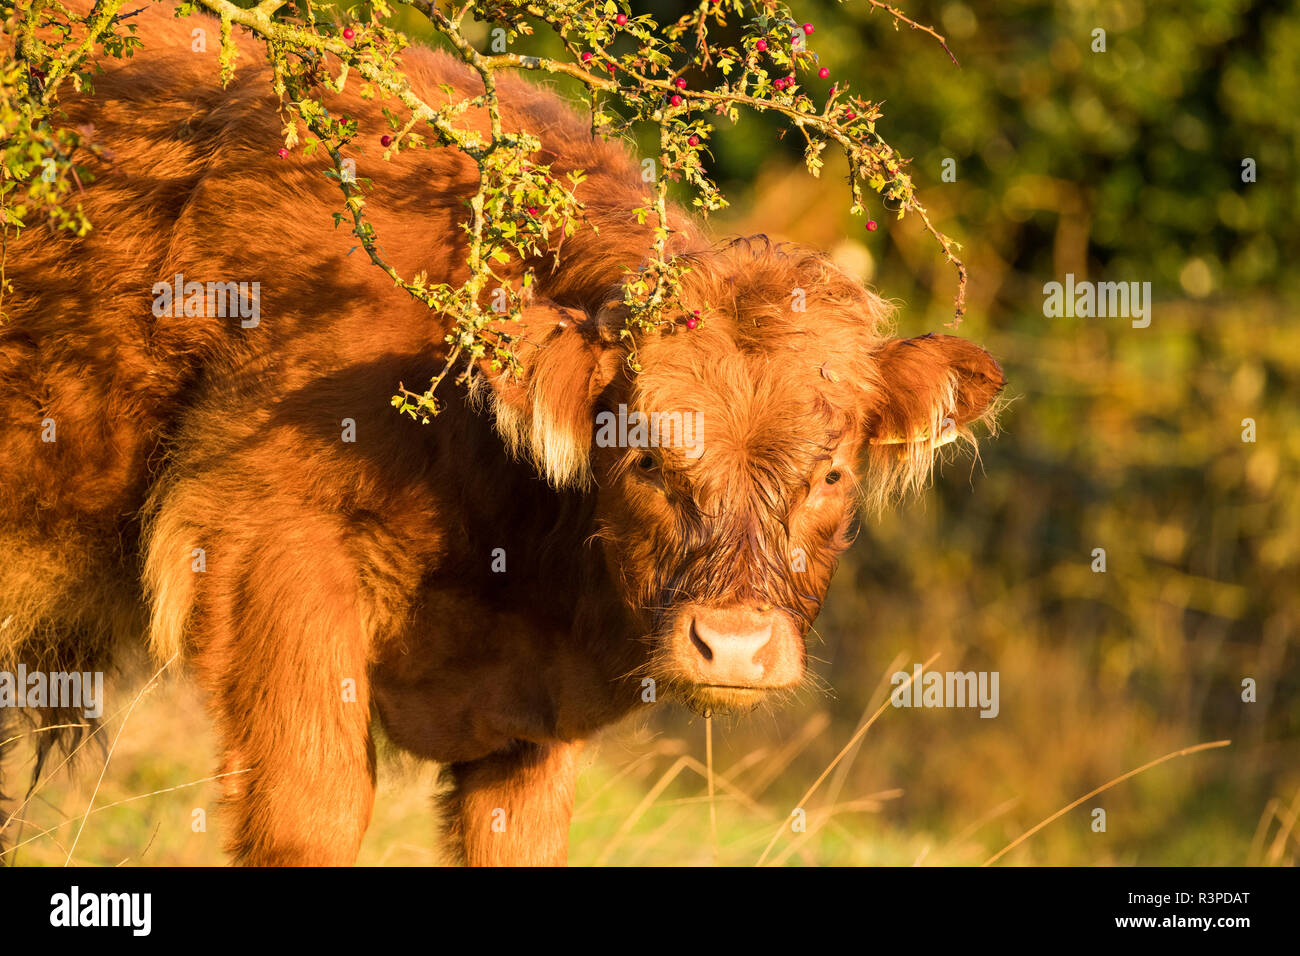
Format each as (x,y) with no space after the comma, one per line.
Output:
(731,656)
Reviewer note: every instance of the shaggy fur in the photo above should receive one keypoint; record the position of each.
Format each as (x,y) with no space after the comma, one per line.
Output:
(199,486)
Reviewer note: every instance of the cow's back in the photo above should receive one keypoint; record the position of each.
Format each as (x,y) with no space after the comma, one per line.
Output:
(104,390)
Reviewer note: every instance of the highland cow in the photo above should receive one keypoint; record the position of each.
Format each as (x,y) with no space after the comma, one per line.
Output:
(491,589)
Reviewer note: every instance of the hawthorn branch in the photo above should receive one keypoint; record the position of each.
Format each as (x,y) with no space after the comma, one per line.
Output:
(648,82)
(900,17)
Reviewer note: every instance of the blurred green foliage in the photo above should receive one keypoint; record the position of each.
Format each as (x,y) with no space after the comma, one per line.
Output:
(1142,144)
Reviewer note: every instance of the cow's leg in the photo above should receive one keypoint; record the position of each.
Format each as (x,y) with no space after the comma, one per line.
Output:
(513,808)
(280,648)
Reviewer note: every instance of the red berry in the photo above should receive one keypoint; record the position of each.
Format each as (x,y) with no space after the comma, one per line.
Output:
(621,19)
(385,140)
(761,46)
(779,83)
(612,68)
(680,82)
(808,28)
(283,153)
(586,57)
(872,225)
(349,33)
(693,320)
(823,73)
(693,141)
(675,100)
(532,211)
(850,115)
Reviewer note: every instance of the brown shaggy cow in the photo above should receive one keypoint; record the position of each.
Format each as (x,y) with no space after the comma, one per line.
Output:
(492,588)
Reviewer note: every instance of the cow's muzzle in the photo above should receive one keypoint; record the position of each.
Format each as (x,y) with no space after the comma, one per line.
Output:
(737,652)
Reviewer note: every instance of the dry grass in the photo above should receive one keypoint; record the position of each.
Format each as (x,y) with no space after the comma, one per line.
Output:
(664,791)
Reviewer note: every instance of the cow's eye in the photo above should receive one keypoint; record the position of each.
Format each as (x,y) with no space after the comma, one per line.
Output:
(647,463)
(832,477)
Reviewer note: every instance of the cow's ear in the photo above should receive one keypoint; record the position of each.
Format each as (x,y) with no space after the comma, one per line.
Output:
(926,392)
(545,410)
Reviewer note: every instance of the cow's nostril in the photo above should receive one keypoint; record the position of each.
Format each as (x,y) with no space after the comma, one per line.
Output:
(705,651)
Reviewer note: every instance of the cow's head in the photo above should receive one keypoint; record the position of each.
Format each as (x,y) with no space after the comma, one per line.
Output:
(728,472)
